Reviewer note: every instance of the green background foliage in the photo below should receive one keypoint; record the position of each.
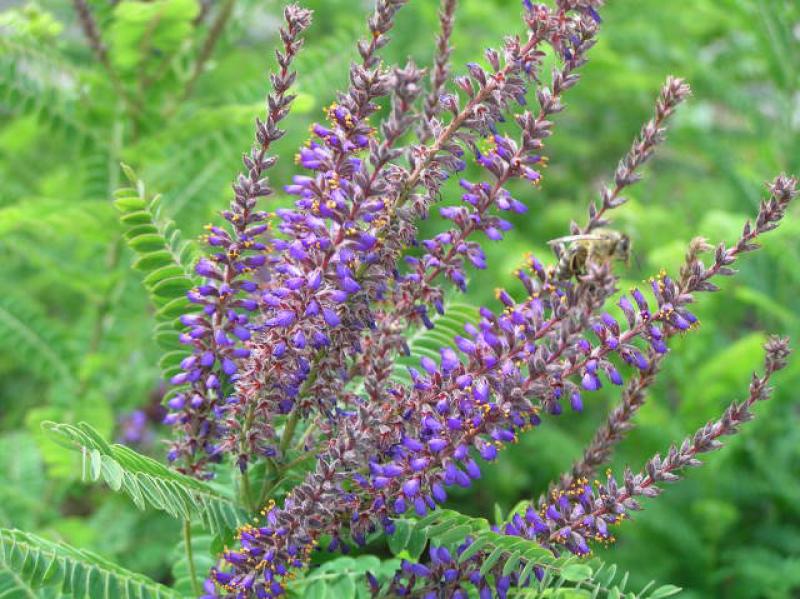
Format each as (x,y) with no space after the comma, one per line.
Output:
(76,323)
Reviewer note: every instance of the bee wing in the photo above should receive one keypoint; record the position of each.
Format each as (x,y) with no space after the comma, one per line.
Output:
(571,238)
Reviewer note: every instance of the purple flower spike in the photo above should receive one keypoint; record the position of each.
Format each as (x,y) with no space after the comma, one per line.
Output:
(301,319)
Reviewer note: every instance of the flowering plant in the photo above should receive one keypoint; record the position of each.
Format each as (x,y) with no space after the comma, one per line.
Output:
(295,318)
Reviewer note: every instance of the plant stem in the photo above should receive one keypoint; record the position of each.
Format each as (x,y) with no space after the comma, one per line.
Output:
(92,33)
(276,471)
(247,495)
(301,443)
(187,540)
(246,492)
(270,480)
(217,27)
(288,430)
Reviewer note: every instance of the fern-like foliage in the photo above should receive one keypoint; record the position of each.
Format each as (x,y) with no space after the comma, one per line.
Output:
(148,482)
(25,330)
(164,259)
(449,528)
(32,83)
(12,586)
(49,216)
(35,562)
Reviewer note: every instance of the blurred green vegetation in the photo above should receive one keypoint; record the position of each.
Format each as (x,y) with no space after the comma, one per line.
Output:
(75,324)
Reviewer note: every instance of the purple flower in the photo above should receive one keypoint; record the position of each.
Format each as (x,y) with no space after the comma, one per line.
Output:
(590,381)
(411,487)
(296,336)
(331,318)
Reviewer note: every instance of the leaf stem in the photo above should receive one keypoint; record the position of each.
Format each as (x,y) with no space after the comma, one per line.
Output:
(187,541)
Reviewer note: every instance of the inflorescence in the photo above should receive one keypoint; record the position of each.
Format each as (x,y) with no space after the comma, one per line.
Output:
(302,313)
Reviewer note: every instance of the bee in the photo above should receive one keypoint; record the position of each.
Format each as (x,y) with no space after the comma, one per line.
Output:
(601,246)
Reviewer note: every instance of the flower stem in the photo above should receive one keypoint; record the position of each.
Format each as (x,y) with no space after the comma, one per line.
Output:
(247,494)
(288,430)
(187,540)
(270,481)
(276,471)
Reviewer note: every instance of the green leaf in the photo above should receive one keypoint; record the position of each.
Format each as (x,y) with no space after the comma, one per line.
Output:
(148,482)
(153,261)
(455,534)
(498,514)
(146,243)
(527,571)
(165,260)
(21,467)
(131,204)
(342,577)
(173,270)
(416,544)
(576,572)
(139,217)
(141,29)
(12,586)
(473,549)
(37,562)
(668,590)
(511,565)
(172,287)
(402,533)
(491,560)
(27,333)
(606,576)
